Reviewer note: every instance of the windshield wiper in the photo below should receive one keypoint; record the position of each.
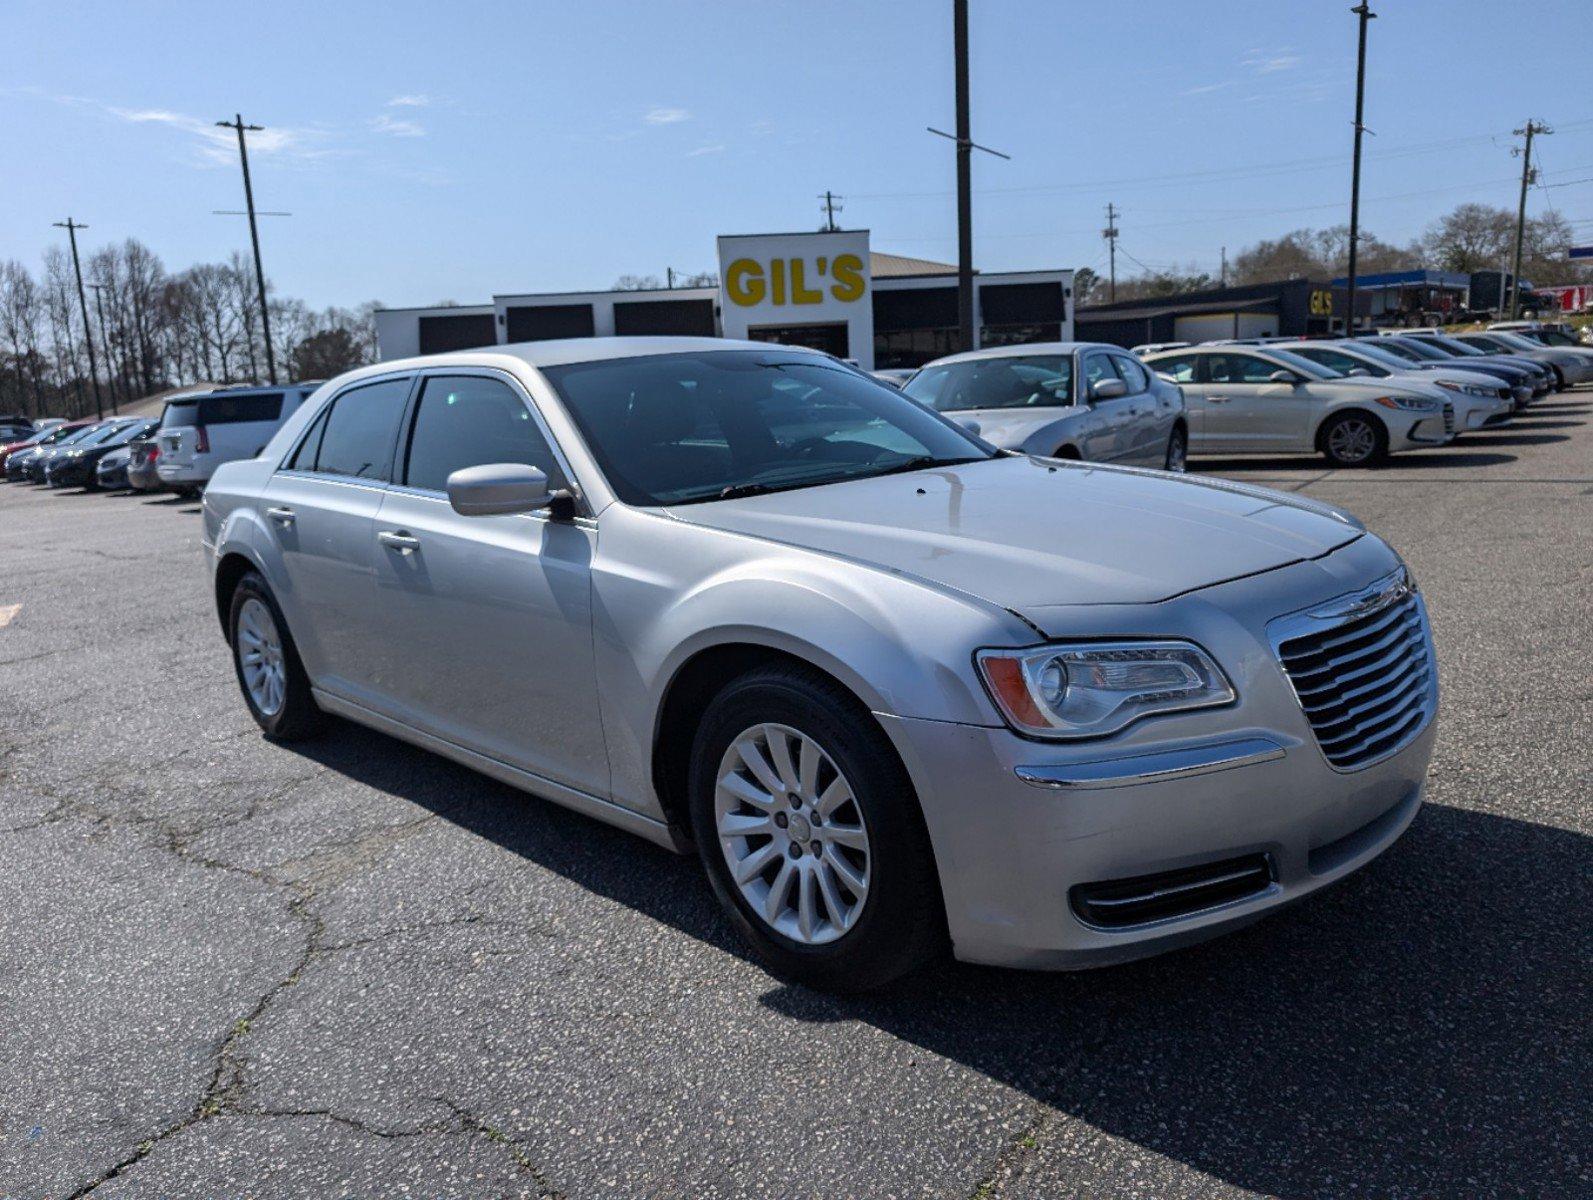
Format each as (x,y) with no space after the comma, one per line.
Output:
(922,462)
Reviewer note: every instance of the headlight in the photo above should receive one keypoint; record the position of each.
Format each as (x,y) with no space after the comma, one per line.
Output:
(1408,403)
(1466,389)
(1096,688)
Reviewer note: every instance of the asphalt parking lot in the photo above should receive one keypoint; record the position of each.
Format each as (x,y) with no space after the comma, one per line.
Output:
(230,968)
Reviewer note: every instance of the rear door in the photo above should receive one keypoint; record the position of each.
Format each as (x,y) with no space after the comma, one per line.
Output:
(321,506)
(1148,425)
(1183,369)
(487,621)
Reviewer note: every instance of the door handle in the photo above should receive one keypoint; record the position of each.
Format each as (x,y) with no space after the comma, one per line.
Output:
(1216,399)
(282,516)
(403,542)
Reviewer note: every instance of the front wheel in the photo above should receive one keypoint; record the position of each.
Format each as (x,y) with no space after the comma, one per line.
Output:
(1177,450)
(811,834)
(274,683)
(1354,440)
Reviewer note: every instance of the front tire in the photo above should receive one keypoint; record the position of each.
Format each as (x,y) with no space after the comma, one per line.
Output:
(811,834)
(1354,439)
(273,680)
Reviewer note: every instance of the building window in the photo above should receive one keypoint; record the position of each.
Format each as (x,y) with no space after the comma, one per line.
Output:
(832,339)
(1020,335)
(912,347)
(539,322)
(461,331)
(676,318)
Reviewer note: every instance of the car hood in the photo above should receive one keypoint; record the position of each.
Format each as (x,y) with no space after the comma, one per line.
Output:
(1024,533)
(1010,428)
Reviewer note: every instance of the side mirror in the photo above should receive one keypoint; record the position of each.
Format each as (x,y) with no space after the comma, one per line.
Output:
(1288,377)
(495,488)
(972,427)
(1109,389)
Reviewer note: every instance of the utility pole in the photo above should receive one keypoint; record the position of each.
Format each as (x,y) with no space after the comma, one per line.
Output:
(965,148)
(669,276)
(254,236)
(71,228)
(1110,234)
(1532,128)
(110,375)
(1364,12)
(1222,271)
(830,209)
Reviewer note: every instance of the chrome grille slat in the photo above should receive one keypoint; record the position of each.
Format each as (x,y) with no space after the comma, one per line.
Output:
(1363,682)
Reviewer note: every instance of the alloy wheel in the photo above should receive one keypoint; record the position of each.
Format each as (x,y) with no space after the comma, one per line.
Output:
(261,658)
(792,834)
(1352,440)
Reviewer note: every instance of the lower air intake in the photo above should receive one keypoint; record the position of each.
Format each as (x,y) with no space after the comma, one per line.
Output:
(1121,903)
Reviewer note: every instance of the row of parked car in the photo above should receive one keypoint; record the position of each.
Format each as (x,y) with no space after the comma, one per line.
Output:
(195,434)
(1355,400)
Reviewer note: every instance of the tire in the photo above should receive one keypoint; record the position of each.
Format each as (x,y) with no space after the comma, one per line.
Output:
(1354,439)
(284,709)
(898,923)
(1177,451)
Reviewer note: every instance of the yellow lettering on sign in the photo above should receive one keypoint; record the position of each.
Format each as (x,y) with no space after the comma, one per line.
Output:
(744,282)
(848,274)
(777,279)
(800,292)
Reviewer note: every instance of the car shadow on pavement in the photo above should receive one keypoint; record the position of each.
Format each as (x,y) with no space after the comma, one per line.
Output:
(1415,460)
(1517,436)
(1419,1029)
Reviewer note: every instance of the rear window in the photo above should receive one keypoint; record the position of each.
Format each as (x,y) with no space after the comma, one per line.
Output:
(235,410)
(179,414)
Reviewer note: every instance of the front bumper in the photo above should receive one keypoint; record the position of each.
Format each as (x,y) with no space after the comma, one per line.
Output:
(1409,431)
(1022,828)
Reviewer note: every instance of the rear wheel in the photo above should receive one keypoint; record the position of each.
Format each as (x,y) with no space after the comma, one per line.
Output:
(811,833)
(275,686)
(1354,439)
(1177,450)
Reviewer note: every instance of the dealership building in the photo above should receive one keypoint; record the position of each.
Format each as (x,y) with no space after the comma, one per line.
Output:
(827,290)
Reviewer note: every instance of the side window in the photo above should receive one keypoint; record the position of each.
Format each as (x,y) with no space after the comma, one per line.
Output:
(360,429)
(468,420)
(1238,368)
(1097,369)
(1179,367)
(1133,374)
(303,458)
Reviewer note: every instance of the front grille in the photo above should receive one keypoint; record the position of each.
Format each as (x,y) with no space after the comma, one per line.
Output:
(1120,903)
(1449,417)
(1365,683)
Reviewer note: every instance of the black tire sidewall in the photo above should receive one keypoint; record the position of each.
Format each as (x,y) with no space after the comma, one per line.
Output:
(298,717)
(1379,435)
(1177,435)
(902,924)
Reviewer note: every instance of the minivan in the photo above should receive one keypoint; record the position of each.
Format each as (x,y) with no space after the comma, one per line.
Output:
(199,433)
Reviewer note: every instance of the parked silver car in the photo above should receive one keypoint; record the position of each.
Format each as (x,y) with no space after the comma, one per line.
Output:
(1479,400)
(1570,366)
(1082,400)
(1246,399)
(899,691)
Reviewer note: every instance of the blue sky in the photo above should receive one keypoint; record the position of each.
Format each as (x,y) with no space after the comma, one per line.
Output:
(432,151)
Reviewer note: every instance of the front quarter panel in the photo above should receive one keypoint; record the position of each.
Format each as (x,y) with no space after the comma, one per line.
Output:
(665,590)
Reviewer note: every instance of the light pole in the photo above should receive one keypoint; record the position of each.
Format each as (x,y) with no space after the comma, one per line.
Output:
(254,236)
(1365,13)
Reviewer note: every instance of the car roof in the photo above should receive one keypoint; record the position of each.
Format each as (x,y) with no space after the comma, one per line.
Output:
(1023,350)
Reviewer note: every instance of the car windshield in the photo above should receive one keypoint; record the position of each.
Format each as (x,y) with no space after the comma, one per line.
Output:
(1513,341)
(1381,357)
(1303,365)
(1028,381)
(1436,349)
(714,425)
(1553,337)
(80,435)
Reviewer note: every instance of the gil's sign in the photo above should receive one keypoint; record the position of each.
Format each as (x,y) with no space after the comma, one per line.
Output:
(809,288)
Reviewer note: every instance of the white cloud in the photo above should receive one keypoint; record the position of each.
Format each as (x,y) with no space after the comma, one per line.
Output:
(666,116)
(1207,88)
(218,143)
(1268,62)
(393,127)
(412,100)
(701,150)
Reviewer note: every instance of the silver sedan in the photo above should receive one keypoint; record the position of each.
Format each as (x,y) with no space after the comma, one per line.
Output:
(899,692)
(1080,400)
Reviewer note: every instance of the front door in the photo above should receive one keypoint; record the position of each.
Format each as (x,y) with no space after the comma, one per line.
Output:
(1246,412)
(321,508)
(487,620)
(1109,432)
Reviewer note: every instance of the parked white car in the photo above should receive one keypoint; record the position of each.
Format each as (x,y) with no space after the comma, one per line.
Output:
(1479,400)
(898,691)
(1082,400)
(1260,400)
(200,432)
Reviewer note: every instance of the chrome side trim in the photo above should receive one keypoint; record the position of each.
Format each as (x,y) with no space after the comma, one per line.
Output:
(1158,767)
